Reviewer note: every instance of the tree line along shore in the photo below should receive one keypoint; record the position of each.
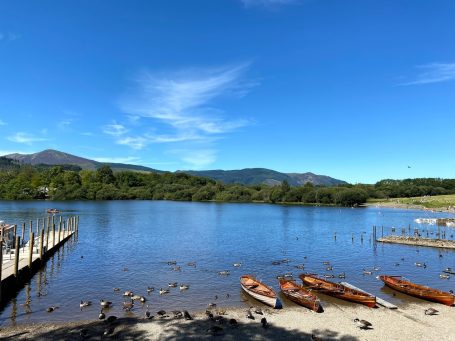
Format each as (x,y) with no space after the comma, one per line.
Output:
(67,182)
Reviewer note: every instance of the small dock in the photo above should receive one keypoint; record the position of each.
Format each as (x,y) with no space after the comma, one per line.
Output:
(379,300)
(23,254)
(418,241)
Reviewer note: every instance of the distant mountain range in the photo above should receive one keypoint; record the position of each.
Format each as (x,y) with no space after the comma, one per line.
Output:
(253,176)
(55,157)
(248,176)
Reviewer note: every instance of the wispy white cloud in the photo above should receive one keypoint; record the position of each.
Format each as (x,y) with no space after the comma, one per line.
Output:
(65,124)
(196,159)
(127,159)
(178,108)
(115,129)
(181,102)
(8,36)
(434,73)
(137,143)
(25,138)
(267,3)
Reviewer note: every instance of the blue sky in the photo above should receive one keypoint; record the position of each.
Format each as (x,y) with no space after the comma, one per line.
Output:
(358,90)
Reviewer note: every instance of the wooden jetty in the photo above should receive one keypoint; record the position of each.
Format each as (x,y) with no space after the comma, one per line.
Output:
(418,241)
(20,259)
(379,300)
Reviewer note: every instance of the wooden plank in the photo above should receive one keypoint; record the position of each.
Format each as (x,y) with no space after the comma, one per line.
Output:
(379,300)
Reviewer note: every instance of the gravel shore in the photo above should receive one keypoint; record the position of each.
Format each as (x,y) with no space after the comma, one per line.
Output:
(294,323)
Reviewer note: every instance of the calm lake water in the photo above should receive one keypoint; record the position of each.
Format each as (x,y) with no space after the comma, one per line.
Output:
(143,236)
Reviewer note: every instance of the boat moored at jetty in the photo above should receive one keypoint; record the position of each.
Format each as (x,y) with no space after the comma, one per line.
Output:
(52,211)
(403,285)
(259,291)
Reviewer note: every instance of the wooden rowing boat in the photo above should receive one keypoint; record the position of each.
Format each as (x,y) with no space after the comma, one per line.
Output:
(259,291)
(337,290)
(298,294)
(421,291)
(52,211)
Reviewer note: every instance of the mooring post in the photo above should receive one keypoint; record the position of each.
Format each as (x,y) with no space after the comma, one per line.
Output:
(48,228)
(16,254)
(353,237)
(14,233)
(382,231)
(31,227)
(41,244)
(23,233)
(1,263)
(37,226)
(30,250)
(53,235)
(59,230)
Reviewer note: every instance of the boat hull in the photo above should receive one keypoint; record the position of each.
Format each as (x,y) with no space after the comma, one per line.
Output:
(338,290)
(417,290)
(274,302)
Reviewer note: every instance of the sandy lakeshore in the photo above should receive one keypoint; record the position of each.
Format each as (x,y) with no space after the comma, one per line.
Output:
(336,323)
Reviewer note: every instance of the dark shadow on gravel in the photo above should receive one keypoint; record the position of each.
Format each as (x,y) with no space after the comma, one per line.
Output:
(176,329)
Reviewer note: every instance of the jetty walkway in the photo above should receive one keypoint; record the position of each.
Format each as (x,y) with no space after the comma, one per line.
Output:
(418,241)
(21,256)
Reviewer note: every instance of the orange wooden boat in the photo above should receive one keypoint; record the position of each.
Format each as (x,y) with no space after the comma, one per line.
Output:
(421,291)
(300,295)
(52,211)
(337,290)
(259,291)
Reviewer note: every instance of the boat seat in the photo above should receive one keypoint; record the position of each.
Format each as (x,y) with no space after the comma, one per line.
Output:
(251,286)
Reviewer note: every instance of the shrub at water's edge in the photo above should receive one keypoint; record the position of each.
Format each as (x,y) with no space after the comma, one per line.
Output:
(23,182)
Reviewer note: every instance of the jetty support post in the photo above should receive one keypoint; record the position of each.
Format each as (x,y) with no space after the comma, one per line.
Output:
(47,235)
(14,233)
(41,244)
(59,231)
(1,262)
(23,232)
(16,256)
(53,234)
(30,250)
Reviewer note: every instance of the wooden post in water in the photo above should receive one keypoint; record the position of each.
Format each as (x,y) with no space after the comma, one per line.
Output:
(1,263)
(382,231)
(30,250)
(37,226)
(23,233)
(53,235)
(47,235)
(353,237)
(16,256)
(59,230)
(41,244)
(31,227)
(14,233)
